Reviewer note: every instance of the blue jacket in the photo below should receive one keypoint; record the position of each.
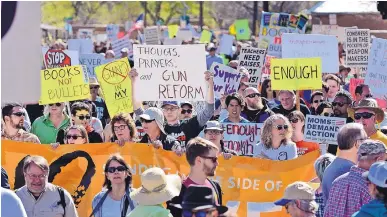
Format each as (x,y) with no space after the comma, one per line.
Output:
(376,208)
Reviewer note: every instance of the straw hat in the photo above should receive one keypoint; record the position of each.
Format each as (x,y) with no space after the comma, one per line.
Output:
(369,104)
(157,187)
(93,81)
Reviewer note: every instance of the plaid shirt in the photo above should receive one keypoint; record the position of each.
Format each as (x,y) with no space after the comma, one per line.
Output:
(320,201)
(21,136)
(348,193)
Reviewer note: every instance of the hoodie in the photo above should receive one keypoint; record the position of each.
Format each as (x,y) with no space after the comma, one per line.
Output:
(375,208)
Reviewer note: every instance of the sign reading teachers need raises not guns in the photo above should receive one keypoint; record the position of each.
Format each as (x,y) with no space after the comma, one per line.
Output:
(296,74)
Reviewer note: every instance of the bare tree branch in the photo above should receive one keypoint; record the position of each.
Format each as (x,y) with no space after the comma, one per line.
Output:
(172,12)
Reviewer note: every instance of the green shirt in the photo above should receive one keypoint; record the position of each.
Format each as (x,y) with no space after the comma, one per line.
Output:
(44,129)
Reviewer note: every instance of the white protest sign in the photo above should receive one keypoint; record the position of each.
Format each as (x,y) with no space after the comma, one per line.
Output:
(121,43)
(59,58)
(170,73)
(184,34)
(151,35)
(322,129)
(241,137)
(85,33)
(252,59)
(112,31)
(226,42)
(325,29)
(376,76)
(83,46)
(172,41)
(226,79)
(91,61)
(305,46)
(357,47)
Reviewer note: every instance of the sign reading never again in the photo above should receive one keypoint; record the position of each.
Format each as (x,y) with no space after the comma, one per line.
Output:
(116,86)
(63,84)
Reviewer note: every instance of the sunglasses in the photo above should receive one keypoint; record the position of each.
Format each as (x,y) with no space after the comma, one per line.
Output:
(318,101)
(368,96)
(384,131)
(326,114)
(81,117)
(19,114)
(213,159)
(121,127)
(188,111)
(295,120)
(57,104)
(280,127)
(94,87)
(340,104)
(75,137)
(114,169)
(146,121)
(201,213)
(253,95)
(364,115)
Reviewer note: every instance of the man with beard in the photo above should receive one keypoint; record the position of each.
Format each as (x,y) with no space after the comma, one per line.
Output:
(202,156)
(13,117)
(340,105)
(288,104)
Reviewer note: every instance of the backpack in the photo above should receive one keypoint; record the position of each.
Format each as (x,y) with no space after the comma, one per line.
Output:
(128,202)
(62,199)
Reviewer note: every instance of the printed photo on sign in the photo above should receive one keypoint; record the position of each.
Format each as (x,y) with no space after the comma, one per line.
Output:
(252,59)
(322,129)
(168,72)
(241,137)
(376,76)
(59,58)
(357,47)
(226,79)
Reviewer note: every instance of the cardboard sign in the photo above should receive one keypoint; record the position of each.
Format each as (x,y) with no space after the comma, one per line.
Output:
(357,47)
(242,29)
(353,82)
(112,31)
(172,30)
(241,137)
(266,67)
(83,46)
(296,74)
(322,129)
(185,35)
(376,76)
(59,58)
(63,85)
(85,33)
(116,86)
(304,46)
(121,43)
(205,36)
(252,59)
(151,35)
(225,46)
(273,25)
(91,61)
(168,72)
(226,79)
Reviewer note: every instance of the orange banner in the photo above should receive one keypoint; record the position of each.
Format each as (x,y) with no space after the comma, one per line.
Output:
(249,185)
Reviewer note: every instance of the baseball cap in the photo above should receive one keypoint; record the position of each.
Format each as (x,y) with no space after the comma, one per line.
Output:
(175,103)
(124,50)
(296,191)
(186,103)
(371,147)
(213,125)
(155,114)
(377,174)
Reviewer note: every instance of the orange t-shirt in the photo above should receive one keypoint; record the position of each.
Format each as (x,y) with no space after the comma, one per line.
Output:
(306,147)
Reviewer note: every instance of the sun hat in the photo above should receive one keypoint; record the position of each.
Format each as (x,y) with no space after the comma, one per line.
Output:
(93,81)
(155,114)
(156,187)
(296,191)
(377,174)
(369,104)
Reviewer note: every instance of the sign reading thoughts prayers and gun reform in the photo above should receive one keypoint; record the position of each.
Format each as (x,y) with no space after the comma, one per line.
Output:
(296,74)
(376,76)
(170,72)
(252,59)
(116,86)
(241,137)
(322,129)
(357,47)
(226,79)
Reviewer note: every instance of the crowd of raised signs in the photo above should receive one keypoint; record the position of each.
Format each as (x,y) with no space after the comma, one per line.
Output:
(245,114)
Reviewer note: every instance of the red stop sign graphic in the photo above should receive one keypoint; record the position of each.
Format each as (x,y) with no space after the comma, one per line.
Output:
(56,59)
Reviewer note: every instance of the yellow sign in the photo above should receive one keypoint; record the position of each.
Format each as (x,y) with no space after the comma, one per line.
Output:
(63,84)
(172,30)
(232,29)
(206,36)
(116,86)
(296,74)
(244,180)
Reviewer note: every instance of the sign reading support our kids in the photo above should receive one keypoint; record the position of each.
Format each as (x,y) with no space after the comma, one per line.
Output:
(241,137)
(296,74)
(169,72)
(63,85)
(322,129)
(226,79)
(116,86)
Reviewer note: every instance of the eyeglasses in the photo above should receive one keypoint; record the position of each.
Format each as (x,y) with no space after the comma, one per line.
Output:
(19,114)
(340,104)
(213,132)
(33,176)
(280,127)
(200,213)
(295,120)
(120,127)
(94,87)
(364,115)
(188,111)
(318,101)
(81,117)
(253,95)
(327,114)
(75,137)
(114,169)
(170,109)
(56,104)
(368,96)
(213,159)
(146,121)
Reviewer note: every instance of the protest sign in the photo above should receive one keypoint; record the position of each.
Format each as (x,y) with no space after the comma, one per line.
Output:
(241,137)
(225,46)
(172,30)
(91,61)
(225,60)
(83,46)
(273,25)
(85,33)
(172,41)
(116,86)
(226,79)
(151,35)
(325,29)
(322,129)
(168,73)
(376,76)
(266,67)
(357,47)
(296,74)
(185,35)
(353,82)
(206,36)
(59,58)
(63,85)
(112,31)
(121,43)
(252,59)
(250,185)
(242,29)
(304,46)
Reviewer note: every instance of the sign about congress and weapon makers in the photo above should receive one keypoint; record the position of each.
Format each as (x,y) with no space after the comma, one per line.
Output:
(322,129)
(116,86)
(91,61)
(357,47)
(296,74)
(252,59)
(59,58)
(376,76)
(305,46)
(226,79)
(63,84)
(241,137)
(173,72)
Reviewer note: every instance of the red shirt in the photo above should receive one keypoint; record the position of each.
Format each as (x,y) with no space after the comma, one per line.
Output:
(306,147)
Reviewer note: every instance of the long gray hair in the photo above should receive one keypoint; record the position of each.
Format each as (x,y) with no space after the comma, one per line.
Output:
(267,135)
